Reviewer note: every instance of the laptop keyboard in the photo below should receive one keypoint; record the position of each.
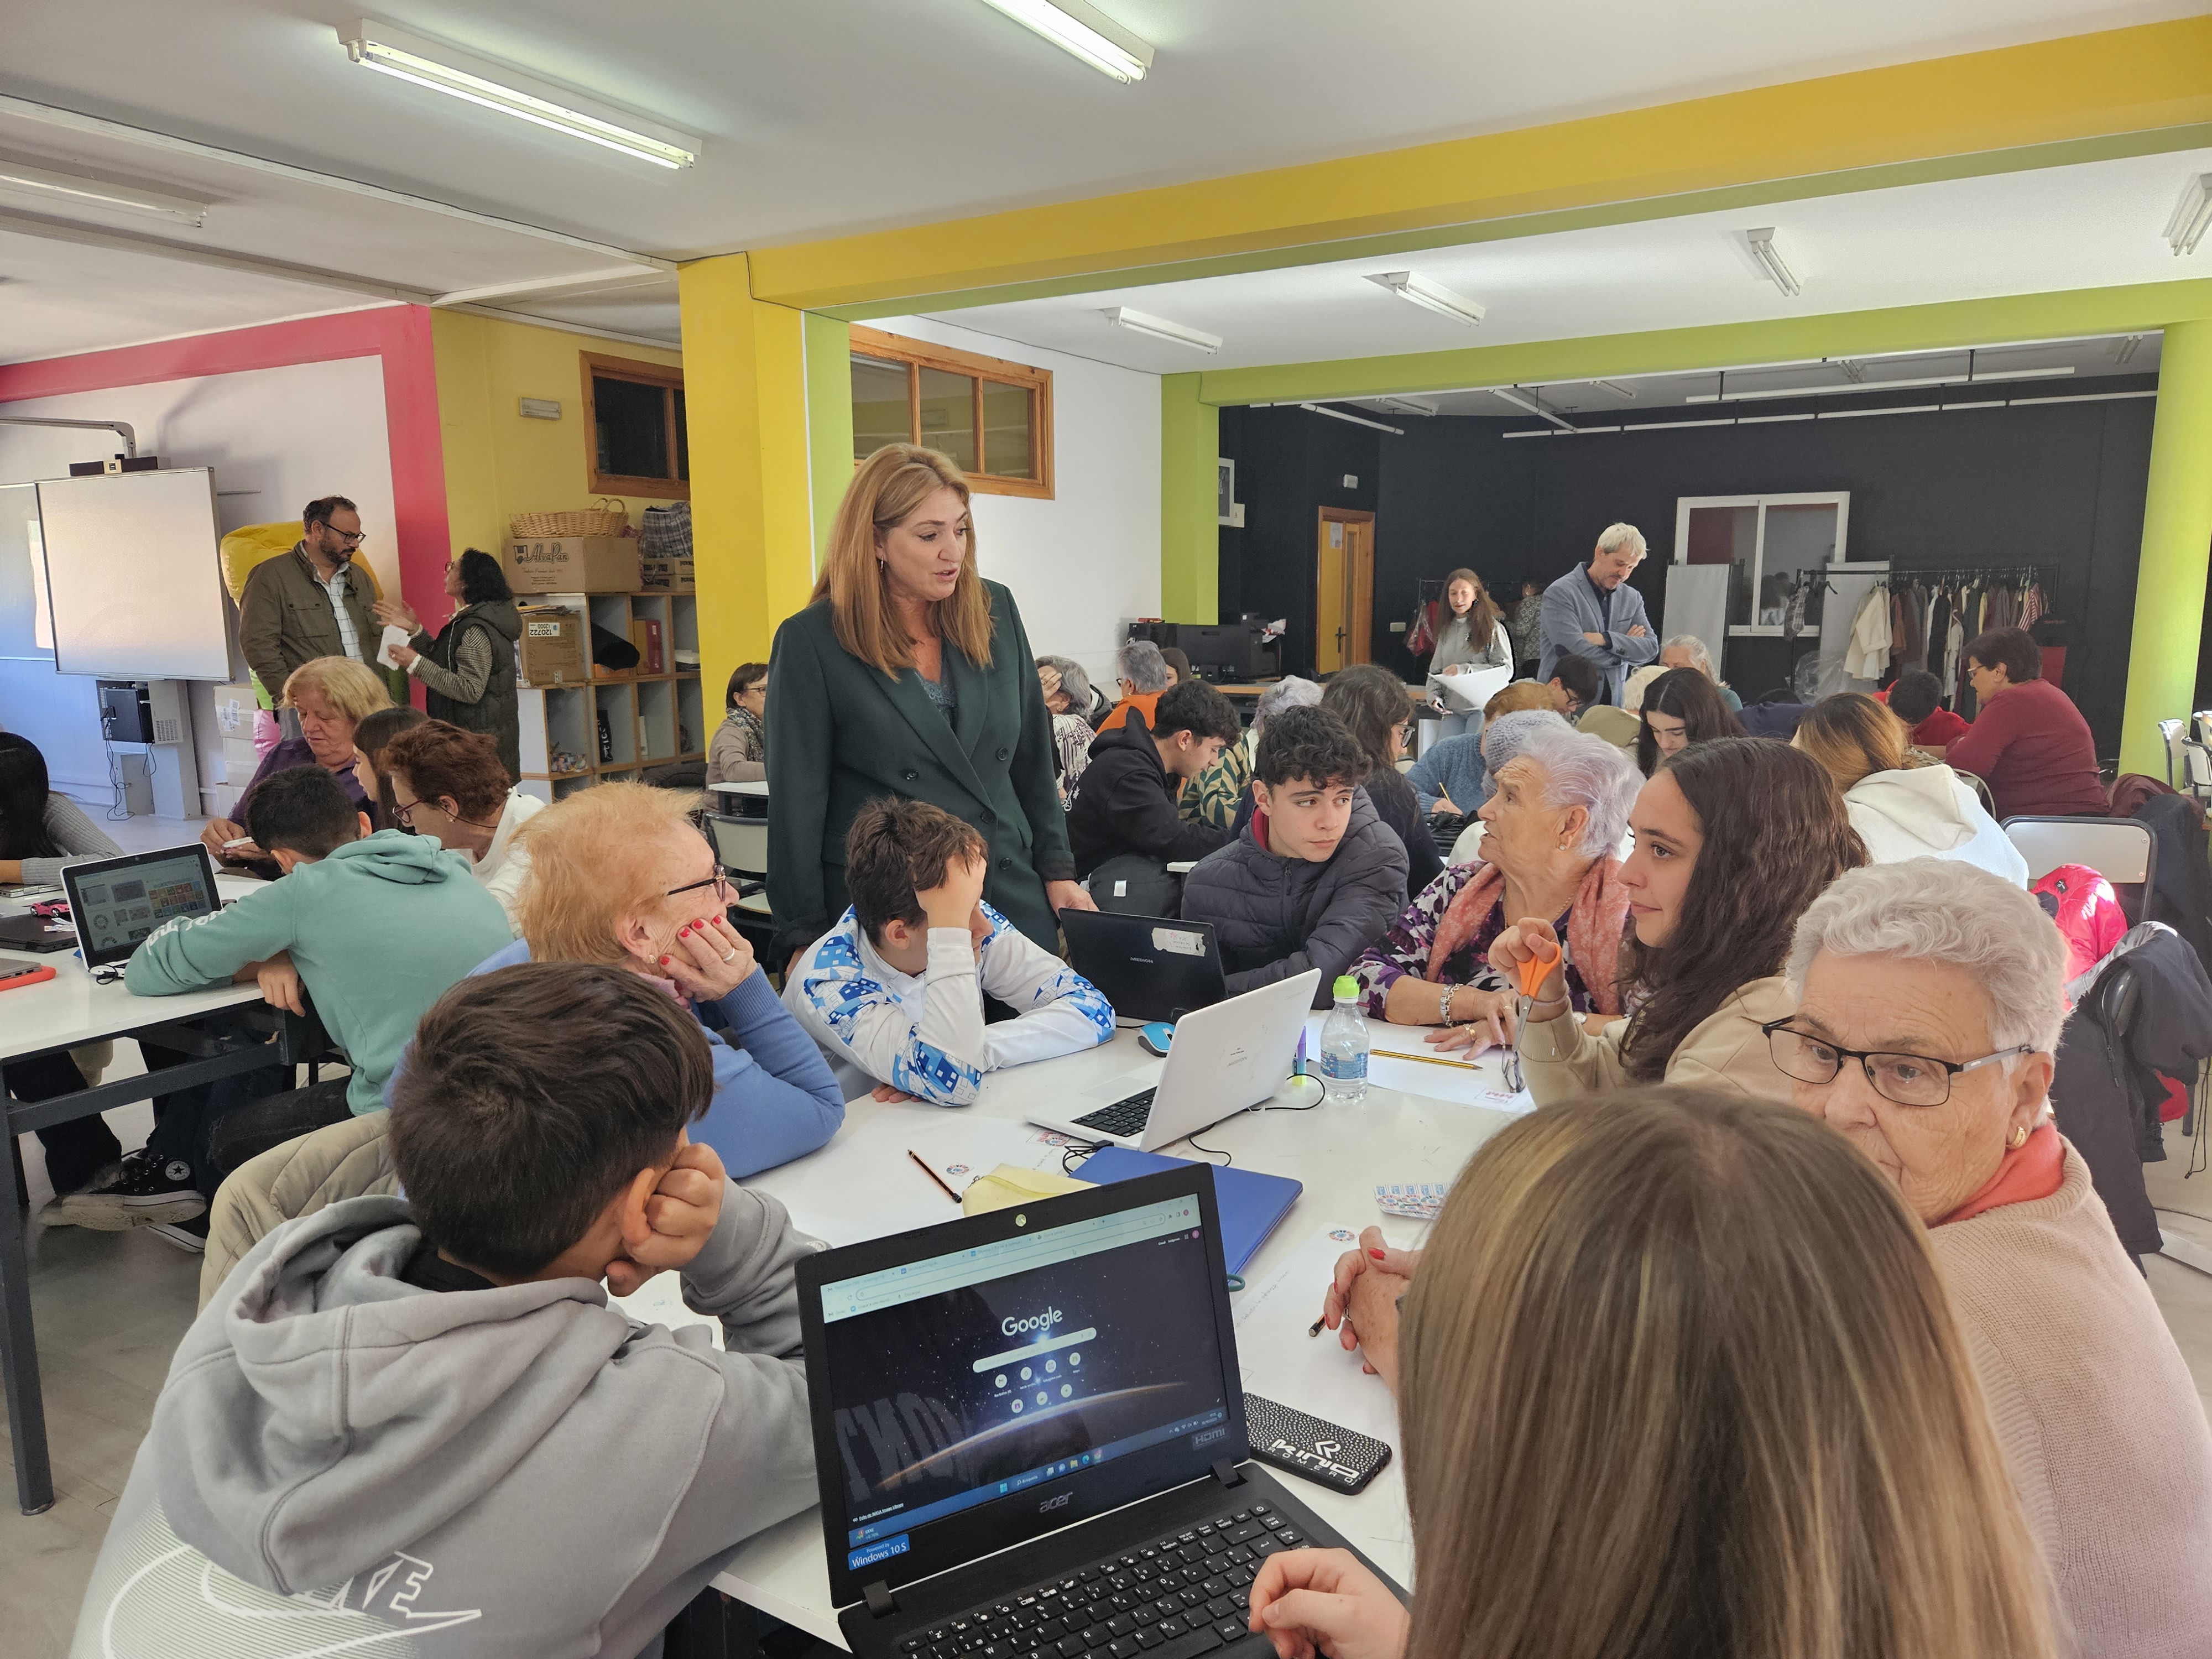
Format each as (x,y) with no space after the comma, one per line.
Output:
(1124,1117)
(1176,1597)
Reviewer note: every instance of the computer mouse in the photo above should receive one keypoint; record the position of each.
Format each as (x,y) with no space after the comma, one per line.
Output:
(1155,1037)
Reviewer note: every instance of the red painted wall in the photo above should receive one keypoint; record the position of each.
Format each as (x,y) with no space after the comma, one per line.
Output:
(399,335)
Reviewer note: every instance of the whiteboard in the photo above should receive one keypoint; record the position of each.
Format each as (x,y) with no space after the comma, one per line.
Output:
(134,579)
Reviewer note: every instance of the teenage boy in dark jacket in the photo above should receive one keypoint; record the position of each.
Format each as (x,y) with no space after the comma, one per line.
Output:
(1315,876)
(1124,802)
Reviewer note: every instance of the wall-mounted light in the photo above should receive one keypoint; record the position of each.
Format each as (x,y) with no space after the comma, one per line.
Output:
(1084,31)
(423,63)
(2192,213)
(1412,287)
(1160,329)
(1761,243)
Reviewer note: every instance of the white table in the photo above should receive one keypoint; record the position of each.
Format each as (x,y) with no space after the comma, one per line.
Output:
(68,1011)
(1340,1153)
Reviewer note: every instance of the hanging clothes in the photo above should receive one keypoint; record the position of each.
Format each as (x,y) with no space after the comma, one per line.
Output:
(1793,610)
(1866,656)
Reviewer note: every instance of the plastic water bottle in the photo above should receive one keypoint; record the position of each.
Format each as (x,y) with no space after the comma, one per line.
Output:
(1344,1047)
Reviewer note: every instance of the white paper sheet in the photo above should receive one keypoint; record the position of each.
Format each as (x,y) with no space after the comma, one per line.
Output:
(1481,1082)
(394,634)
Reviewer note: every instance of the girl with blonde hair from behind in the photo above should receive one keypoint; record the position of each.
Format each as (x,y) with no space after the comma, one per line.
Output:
(1904,804)
(1650,1412)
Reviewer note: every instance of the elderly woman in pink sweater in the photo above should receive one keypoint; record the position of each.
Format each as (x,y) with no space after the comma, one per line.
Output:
(1929,1004)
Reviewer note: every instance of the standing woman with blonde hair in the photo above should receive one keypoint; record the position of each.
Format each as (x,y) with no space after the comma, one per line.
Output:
(907,674)
(1649,1408)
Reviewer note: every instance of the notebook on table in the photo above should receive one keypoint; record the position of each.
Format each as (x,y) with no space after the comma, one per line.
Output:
(1252,1205)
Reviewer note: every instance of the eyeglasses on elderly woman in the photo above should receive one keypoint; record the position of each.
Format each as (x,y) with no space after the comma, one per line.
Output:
(1904,1079)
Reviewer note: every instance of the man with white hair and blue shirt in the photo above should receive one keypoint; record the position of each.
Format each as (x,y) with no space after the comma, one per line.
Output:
(1593,612)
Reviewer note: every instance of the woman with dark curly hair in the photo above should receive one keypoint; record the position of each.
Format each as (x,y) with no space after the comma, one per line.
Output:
(1681,707)
(1733,839)
(467,667)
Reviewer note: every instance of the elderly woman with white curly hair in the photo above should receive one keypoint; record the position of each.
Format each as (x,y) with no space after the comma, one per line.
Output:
(1930,1001)
(1553,827)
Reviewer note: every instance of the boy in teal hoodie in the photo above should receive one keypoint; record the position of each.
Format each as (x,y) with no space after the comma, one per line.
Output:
(374,927)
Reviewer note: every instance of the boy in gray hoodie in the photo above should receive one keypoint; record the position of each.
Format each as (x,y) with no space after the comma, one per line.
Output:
(415,1427)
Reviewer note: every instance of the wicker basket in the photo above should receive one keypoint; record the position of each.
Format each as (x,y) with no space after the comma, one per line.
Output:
(609,519)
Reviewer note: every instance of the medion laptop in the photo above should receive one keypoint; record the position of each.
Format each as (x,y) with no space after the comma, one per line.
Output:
(1029,1425)
(1149,967)
(116,903)
(1224,1058)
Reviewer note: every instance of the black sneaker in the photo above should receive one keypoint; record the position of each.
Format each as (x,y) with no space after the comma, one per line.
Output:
(150,1189)
(185,1235)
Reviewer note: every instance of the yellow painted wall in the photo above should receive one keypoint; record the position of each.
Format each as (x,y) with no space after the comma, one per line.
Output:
(497,463)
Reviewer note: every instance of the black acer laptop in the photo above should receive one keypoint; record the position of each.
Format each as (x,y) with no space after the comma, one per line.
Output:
(1028,1426)
(116,903)
(1148,967)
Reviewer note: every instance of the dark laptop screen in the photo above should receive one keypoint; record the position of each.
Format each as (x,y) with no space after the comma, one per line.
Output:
(973,1376)
(117,908)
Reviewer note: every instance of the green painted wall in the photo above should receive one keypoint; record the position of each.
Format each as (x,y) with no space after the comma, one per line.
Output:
(2176,548)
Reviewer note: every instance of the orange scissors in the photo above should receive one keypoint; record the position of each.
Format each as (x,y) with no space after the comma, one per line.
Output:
(1531,973)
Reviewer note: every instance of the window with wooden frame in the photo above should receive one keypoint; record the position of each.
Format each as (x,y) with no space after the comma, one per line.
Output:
(992,416)
(634,443)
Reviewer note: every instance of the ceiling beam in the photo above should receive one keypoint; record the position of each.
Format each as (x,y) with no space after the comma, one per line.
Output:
(2137,308)
(57,230)
(2054,102)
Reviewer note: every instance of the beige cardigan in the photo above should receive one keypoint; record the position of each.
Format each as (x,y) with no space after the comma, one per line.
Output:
(2101,1425)
(1561,1058)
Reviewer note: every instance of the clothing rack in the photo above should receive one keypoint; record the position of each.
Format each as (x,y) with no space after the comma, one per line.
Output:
(2021,575)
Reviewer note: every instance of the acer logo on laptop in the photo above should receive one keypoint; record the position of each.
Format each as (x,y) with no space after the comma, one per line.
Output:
(1044,1321)
(1052,1504)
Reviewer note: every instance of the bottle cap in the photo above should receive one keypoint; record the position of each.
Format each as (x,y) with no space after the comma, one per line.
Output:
(1345,986)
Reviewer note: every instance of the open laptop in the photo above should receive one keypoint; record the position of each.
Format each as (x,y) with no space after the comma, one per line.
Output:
(1029,1423)
(116,903)
(1224,1058)
(1148,967)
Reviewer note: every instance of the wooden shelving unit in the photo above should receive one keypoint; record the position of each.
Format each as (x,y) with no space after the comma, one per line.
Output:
(651,719)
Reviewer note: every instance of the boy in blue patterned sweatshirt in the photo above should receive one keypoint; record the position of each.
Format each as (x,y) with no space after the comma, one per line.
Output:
(894,993)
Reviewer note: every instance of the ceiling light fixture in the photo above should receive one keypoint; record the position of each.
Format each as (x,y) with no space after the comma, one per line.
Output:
(1084,31)
(1357,420)
(98,192)
(1976,379)
(2125,347)
(1536,407)
(1761,243)
(1430,296)
(426,64)
(1615,388)
(1160,329)
(2193,214)
(1410,406)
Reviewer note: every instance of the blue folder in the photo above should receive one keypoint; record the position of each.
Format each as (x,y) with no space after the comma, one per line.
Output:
(1251,1204)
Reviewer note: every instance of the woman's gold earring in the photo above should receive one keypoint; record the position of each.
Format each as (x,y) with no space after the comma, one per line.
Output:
(2018,1137)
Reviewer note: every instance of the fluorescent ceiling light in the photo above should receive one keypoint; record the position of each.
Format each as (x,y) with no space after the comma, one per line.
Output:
(2192,215)
(1536,407)
(1084,31)
(1357,420)
(1430,296)
(2125,347)
(1160,329)
(426,64)
(1761,243)
(1979,379)
(1614,386)
(1410,406)
(98,192)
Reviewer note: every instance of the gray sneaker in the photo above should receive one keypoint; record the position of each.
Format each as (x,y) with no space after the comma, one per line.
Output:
(150,1189)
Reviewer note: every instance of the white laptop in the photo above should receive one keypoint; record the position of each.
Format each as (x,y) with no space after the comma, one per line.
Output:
(1224,1058)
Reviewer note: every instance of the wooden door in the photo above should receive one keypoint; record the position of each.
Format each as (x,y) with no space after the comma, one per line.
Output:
(1343,589)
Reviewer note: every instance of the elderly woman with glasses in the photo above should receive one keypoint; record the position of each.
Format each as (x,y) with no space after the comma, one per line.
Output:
(1930,1002)
(619,874)
(1553,827)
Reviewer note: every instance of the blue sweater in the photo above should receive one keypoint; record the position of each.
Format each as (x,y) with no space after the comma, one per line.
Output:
(1452,767)
(775,1098)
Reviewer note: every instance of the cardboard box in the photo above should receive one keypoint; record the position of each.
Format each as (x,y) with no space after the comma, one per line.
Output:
(664,575)
(240,760)
(551,648)
(236,706)
(572,564)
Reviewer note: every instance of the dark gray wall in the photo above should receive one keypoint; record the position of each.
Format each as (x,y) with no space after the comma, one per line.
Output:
(2058,484)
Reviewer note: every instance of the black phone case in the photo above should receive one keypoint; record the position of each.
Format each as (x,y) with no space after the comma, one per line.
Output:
(1312,1448)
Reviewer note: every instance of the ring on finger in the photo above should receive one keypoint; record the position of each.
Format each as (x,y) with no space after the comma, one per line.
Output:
(731,954)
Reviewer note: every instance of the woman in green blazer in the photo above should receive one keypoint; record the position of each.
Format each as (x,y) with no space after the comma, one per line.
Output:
(908,674)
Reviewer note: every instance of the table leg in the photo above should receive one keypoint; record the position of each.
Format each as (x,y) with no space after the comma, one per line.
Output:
(19,1358)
